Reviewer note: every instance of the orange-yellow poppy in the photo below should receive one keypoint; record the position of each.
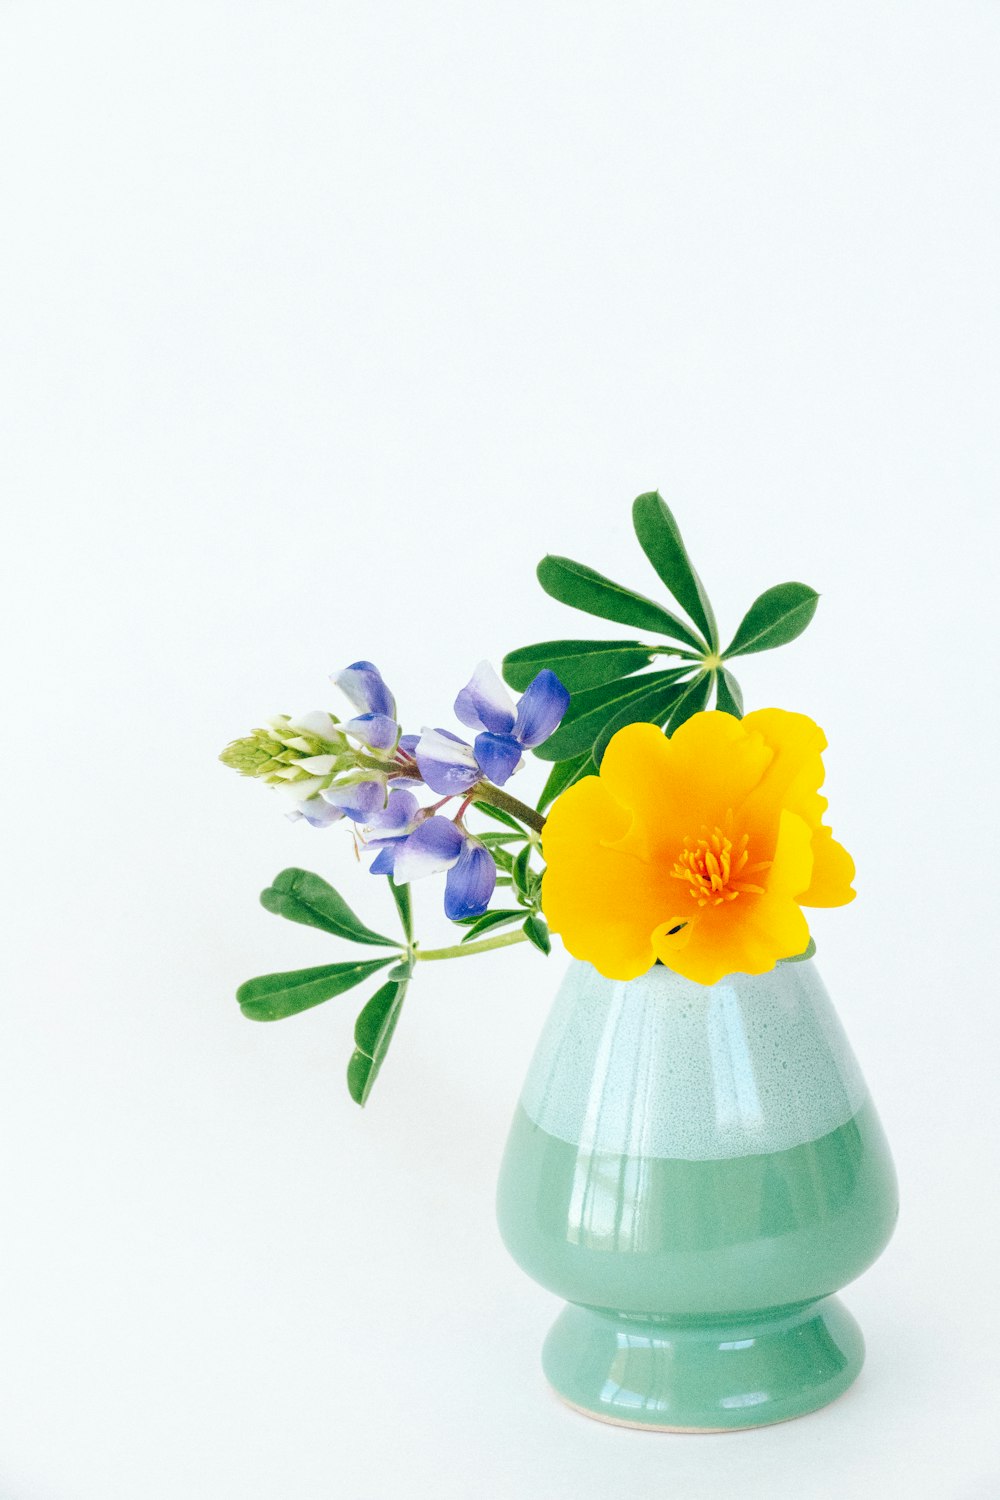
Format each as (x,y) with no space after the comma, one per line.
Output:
(699,850)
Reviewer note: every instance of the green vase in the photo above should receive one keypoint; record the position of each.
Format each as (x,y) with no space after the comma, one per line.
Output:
(697,1170)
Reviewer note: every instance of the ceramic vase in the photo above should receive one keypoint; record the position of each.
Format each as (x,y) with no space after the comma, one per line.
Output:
(697,1170)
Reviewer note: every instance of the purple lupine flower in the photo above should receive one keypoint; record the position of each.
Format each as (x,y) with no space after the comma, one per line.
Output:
(361,683)
(375,725)
(506,729)
(438,844)
(388,829)
(357,800)
(447,764)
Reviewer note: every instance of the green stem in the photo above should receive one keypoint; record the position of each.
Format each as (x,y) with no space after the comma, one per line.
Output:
(462,950)
(484,791)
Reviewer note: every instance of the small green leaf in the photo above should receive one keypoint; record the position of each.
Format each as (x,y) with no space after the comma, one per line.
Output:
(774,619)
(272,997)
(593,709)
(800,958)
(373,1032)
(519,870)
(401,896)
(563,774)
(692,702)
(653,707)
(577,664)
(728,697)
(536,930)
(303,897)
(660,539)
(498,815)
(490,919)
(497,840)
(581,587)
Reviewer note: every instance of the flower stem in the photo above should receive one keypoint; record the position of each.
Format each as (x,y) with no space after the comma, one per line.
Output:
(462,950)
(484,791)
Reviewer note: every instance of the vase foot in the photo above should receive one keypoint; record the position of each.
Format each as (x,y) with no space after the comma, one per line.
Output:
(706,1377)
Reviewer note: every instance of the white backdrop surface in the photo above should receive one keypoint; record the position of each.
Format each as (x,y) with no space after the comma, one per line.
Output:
(321,323)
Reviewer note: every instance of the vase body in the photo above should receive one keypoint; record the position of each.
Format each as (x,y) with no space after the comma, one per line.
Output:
(697,1170)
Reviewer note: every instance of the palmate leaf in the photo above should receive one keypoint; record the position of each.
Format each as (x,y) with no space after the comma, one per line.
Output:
(776,617)
(563,774)
(273,997)
(502,917)
(582,588)
(651,707)
(577,664)
(690,702)
(590,710)
(303,897)
(660,539)
(404,906)
(728,696)
(373,1031)
(536,931)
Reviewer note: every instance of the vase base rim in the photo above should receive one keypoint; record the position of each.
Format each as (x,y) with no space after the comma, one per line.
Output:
(702,1379)
(634,1426)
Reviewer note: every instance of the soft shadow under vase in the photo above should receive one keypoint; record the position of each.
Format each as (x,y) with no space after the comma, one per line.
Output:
(697,1170)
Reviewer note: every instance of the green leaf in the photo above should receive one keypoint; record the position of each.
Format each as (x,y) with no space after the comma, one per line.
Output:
(537,932)
(272,997)
(660,539)
(303,897)
(692,702)
(581,587)
(653,707)
(499,816)
(774,619)
(401,896)
(563,774)
(519,870)
(728,696)
(800,958)
(577,664)
(373,1032)
(490,919)
(593,709)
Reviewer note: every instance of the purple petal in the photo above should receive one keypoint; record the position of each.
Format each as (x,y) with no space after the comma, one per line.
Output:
(434,846)
(446,763)
(385,860)
(377,731)
(317,813)
(470,882)
(484,702)
(408,743)
(397,817)
(361,683)
(499,755)
(358,799)
(541,708)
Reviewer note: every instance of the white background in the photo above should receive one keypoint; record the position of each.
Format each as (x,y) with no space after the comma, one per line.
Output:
(321,323)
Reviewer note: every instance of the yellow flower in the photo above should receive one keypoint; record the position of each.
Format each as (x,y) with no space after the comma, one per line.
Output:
(699,850)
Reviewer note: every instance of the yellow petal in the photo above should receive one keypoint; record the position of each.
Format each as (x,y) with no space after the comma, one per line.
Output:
(674,786)
(604,903)
(746,936)
(833,871)
(792,867)
(795,773)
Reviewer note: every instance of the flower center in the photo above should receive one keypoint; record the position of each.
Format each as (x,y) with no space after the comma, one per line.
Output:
(713,865)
